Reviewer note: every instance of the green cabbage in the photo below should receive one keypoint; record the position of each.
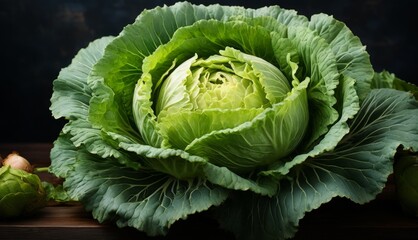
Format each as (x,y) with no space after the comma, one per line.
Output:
(21,193)
(260,114)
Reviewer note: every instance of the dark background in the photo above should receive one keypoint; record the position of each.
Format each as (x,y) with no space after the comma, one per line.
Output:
(39,37)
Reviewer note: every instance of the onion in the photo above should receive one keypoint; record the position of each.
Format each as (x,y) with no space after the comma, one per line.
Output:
(14,160)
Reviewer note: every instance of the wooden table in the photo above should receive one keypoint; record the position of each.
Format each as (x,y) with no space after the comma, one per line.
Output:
(339,219)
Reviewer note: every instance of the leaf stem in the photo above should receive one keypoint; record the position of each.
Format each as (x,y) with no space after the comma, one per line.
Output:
(40,169)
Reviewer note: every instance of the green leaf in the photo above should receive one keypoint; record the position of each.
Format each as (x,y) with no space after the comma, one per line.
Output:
(83,134)
(351,56)
(357,169)
(71,94)
(317,62)
(286,53)
(224,177)
(288,17)
(143,199)
(143,111)
(182,165)
(182,128)
(56,193)
(62,156)
(101,115)
(71,99)
(386,79)
(272,80)
(175,162)
(214,36)
(350,106)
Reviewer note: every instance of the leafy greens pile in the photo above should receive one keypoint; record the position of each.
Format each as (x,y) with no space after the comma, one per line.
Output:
(259,114)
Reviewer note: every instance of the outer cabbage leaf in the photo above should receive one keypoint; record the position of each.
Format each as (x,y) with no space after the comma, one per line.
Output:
(386,79)
(355,68)
(62,156)
(320,66)
(352,59)
(357,169)
(71,95)
(140,198)
(183,165)
(144,199)
(71,99)
(347,94)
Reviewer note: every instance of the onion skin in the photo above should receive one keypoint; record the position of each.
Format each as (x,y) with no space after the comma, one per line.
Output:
(15,161)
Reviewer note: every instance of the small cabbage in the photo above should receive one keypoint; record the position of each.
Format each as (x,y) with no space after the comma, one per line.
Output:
(21,193)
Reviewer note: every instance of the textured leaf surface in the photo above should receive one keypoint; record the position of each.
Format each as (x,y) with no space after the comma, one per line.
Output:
(144,199)
(357,169)
(71,95)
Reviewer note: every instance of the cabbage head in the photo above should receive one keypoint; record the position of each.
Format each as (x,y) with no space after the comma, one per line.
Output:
(21,193)
(260,115)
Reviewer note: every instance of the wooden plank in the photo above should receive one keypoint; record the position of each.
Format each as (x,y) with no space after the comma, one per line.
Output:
(73,222)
